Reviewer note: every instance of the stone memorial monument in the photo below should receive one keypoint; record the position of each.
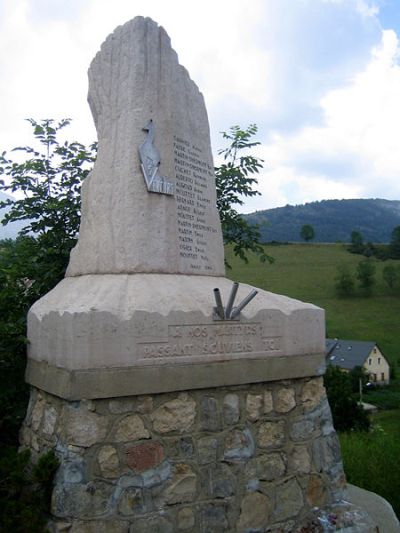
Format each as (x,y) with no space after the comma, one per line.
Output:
(174,399)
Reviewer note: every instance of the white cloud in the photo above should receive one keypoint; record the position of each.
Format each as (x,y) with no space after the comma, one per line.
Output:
(365,117)
(43,73)
(355,153)
(45,54)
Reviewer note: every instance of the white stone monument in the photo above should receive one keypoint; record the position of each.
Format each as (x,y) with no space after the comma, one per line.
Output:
(234,431)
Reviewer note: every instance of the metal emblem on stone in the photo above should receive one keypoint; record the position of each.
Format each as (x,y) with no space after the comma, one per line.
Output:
(230,312)
(150,162)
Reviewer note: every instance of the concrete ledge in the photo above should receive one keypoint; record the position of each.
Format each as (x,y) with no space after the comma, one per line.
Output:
(377,507)
(116,382)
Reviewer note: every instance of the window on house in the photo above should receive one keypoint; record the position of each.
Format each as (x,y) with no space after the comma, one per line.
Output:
(370,361)
(379,360)
(383,376)
(375,377)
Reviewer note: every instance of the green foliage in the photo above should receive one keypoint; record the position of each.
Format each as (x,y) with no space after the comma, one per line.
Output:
(25,490)
(357,243)
(50,179)
(391,275)
(347,414)
(18,291)
(358,246)
(371,459)
(235,178)
(365,273)
(384,396)
(48,184)
(366,276)
(307,232)
(369,250)
(344,281)
(395,243)
(357,374)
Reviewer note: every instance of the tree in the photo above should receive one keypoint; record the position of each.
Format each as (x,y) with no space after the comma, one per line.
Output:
(366,275)
(395,243)
(235,178)
(17,294)
(49,181)
(307,232)
(347,414)
(25,490)
(390,275)
(357,243)
(357,374)
(344,281)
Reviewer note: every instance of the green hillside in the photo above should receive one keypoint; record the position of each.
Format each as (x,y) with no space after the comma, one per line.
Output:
(307,272)
(332,220)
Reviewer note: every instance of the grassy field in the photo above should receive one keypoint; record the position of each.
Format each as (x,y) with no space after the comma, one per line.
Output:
(307,272)
(385,397)
(371,460)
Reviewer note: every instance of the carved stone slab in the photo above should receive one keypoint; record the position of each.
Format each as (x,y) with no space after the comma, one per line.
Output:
(126,228)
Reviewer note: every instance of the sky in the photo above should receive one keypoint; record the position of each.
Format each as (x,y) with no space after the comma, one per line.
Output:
(320,78)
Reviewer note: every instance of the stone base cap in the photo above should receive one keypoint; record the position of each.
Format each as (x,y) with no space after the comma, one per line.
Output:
(100,336)
(117,382)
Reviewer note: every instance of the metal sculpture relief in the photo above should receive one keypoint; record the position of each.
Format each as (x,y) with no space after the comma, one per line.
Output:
(150,162)
(230,312)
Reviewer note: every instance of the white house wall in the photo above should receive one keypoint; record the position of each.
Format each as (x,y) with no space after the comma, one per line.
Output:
(377,366)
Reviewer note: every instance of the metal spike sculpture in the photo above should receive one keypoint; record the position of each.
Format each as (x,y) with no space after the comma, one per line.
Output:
(230,312)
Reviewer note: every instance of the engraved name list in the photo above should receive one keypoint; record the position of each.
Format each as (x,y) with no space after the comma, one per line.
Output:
(194,176)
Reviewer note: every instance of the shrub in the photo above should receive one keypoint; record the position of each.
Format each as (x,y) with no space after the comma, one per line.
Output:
(390,275)
(366,276)
(347,414)
(25,490)
(344,281)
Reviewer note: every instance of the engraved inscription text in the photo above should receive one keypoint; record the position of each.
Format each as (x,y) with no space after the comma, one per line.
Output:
(210,339)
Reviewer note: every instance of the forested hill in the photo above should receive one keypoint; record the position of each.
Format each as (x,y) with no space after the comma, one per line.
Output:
(10,231)
(332,220)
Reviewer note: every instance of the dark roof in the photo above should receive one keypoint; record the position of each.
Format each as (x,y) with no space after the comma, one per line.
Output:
(348,354)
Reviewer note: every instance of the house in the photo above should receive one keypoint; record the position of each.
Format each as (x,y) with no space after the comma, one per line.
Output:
(348,354)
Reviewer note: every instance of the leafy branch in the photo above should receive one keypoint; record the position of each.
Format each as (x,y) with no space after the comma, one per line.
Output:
(235,179)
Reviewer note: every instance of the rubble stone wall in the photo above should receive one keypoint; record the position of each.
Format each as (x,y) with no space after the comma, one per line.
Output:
(247,458)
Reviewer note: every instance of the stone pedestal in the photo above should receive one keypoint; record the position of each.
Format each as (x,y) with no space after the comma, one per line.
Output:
(240,458)
(166,415)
